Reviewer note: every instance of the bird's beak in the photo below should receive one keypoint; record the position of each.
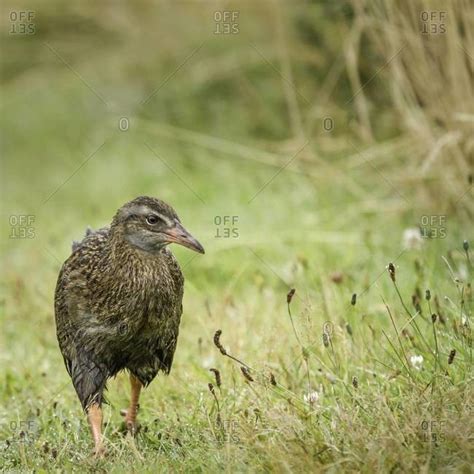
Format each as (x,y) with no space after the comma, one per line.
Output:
(179,235)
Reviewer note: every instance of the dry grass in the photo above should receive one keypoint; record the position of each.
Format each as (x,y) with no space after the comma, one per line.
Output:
(427,51)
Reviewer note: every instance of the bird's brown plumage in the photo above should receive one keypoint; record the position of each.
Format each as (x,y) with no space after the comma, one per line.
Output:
(118,299)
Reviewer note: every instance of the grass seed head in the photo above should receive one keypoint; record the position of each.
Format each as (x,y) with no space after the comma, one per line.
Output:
(290,295)
(210,386)
(391,271)
(217,342)
(326,339)
(416,303)
(272,379)
(354,299)
(246,373)
(433,317)
(355,382)
(451,356)
(217,376)
(465,245)
(428,295)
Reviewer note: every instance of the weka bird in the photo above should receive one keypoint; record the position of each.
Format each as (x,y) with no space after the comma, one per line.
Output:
(118,304)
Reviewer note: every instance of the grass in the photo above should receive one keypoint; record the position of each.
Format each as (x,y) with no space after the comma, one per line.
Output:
(240,286)
(336,386)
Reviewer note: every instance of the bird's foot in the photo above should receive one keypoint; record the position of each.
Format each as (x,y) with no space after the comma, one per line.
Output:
(131,424)
(132,427)
(99,452)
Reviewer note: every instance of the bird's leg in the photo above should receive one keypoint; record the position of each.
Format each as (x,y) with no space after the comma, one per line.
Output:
(94,415)
(131,412)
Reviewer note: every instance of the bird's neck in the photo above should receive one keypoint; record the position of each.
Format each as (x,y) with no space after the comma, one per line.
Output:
(131,262)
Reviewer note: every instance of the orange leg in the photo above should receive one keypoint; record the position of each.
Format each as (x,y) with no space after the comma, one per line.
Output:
(94,414)
(131,413)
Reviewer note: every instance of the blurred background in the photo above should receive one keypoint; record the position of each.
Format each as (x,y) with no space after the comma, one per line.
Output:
(303,143)
(307,119)
(340,95)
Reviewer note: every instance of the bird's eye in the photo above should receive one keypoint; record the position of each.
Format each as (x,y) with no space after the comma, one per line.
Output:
(152,219)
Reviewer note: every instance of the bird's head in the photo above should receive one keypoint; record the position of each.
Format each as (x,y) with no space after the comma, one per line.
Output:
(151,224)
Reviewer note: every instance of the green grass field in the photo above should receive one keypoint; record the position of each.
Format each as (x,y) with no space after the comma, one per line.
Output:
(339,386)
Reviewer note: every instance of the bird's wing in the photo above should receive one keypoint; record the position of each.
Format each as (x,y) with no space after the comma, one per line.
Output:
(73,292)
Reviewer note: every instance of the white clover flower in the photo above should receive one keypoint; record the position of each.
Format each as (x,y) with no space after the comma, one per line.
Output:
(412,238)
(311,397)
(416,361)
